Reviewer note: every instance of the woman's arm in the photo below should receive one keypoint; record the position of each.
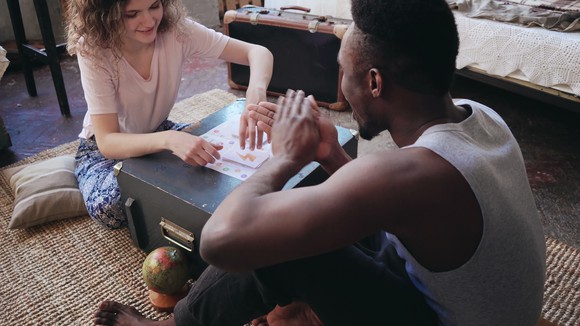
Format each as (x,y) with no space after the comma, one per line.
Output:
(116,145)
(261,62)
(100,81)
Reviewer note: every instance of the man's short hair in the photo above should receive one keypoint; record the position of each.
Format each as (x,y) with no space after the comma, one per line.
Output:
(415,42)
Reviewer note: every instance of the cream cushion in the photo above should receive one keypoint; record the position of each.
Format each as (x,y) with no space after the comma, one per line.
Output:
(45,191)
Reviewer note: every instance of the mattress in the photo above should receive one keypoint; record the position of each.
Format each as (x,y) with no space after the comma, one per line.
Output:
(531,54)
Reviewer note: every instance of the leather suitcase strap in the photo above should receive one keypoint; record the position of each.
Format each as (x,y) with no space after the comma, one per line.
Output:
(286,19)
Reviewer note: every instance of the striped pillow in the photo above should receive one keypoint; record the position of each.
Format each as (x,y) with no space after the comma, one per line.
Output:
(45,191)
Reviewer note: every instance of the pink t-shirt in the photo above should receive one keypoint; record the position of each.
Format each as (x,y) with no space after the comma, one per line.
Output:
(142,105)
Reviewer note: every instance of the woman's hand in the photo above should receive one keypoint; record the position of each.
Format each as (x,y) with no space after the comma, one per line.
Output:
(261,62)
(263,114)
(193,150)
(249,130)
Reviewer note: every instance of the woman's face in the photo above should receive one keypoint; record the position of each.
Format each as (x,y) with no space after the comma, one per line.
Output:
(141,19)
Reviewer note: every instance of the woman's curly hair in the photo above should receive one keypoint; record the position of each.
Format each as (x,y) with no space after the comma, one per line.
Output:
(100,24)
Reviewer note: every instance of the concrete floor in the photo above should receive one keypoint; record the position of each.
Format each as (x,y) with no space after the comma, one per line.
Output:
(549,136)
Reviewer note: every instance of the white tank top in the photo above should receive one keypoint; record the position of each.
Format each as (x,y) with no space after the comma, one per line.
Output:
(503,282)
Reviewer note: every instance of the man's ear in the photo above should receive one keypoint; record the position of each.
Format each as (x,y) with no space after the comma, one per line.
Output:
(375,82)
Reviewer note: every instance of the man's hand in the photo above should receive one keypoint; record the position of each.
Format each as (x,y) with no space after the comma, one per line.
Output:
(264,114)
(295,130)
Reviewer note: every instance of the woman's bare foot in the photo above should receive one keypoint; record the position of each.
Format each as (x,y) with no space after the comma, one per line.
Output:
(112,313)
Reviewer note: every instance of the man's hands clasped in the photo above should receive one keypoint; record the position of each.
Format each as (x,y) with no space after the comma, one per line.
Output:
(299,127)
(295,131)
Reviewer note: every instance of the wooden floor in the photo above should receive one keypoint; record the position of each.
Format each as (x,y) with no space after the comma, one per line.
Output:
(549,136)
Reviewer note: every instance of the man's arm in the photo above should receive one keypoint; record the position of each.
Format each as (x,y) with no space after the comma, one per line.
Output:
(290,155)
(412,193)
(254,224)
(258,225)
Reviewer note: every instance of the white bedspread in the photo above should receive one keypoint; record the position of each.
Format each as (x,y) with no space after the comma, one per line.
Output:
(543,57)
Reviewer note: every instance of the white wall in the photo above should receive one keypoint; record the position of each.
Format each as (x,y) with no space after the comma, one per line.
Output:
(203,11)
(335,8)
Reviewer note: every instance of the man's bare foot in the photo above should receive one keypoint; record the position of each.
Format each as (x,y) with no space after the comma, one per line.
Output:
(112,313)
(293,314)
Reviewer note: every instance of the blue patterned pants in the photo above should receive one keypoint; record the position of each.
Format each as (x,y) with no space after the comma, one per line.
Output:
(98,183)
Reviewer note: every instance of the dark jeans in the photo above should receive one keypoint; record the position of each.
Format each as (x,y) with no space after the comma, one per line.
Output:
(363,284)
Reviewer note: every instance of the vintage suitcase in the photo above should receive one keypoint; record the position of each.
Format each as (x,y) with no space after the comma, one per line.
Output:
(305,49)
(167,202)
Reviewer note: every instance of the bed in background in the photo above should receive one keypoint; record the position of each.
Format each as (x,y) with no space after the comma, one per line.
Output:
(530,47)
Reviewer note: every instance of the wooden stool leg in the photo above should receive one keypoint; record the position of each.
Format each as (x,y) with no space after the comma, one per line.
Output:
(52,54)
(20,36)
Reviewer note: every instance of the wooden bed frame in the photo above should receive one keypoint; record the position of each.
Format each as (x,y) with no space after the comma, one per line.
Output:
(545,94)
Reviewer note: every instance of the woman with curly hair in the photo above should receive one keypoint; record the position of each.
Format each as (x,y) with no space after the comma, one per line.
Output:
(131,54)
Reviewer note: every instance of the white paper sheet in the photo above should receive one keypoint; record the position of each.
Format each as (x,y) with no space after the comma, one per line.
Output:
(235,162)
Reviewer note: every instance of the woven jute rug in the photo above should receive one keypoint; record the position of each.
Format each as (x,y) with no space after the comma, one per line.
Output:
(57,273)
(562,289)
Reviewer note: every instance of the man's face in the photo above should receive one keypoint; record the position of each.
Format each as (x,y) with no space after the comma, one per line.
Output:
(355,86)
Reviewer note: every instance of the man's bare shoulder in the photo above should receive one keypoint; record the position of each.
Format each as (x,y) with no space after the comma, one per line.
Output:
(408,162)
(420,194)
(407,183)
